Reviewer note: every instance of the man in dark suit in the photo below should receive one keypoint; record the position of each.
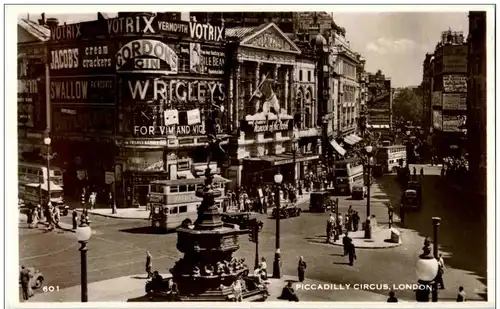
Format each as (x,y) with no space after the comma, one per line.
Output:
(24,278)
(345,241)
(351,251)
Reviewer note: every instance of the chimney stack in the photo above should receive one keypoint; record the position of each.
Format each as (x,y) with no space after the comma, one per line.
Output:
(42,20)
(52,22)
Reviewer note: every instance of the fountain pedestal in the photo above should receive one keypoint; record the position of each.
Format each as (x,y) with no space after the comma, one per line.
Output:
(208,270)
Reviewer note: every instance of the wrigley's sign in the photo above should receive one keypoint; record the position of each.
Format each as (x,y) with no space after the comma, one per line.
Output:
(261,126)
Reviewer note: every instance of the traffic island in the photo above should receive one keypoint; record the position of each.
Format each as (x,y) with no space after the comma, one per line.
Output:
(381,238)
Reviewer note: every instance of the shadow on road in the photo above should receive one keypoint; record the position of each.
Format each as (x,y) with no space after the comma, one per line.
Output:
(146,230)
(144,298)
(462,232)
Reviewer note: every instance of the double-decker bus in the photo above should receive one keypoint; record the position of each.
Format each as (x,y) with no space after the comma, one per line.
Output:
(348,174)
(173,201)
(391,157)
(29,173)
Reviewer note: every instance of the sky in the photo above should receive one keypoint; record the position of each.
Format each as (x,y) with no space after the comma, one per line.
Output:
(394,42)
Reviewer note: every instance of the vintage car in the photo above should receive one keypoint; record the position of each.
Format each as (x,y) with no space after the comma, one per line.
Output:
(36,278)
(320,201)
(410,200)
(244,219)
(287,211)
(358,192)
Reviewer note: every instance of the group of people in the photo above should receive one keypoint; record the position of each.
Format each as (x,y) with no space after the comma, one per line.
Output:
(454,168)
(349,222)
(52,215)
(249,199)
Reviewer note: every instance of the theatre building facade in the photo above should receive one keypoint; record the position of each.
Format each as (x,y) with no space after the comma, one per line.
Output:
(138,87)
(262,105)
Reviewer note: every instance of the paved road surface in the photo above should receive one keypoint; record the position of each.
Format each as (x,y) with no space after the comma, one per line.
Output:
(118,246)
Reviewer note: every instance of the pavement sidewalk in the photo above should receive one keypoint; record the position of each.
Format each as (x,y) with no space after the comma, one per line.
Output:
(141,213)
(380,239)
(131,289)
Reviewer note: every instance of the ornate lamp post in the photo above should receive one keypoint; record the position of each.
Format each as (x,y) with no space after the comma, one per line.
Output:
(427,268)
(278,178)
(368,232)
(83,233)
(436,221)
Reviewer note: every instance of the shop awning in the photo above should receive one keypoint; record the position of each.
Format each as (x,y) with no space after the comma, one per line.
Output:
(378,126)
(357,138)
(184,175)
(284,158)
(349,140)
(337,147)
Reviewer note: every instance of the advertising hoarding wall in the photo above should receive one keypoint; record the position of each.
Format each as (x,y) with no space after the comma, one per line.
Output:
(437,120)
(455,59)
(454,83)
(436,98)
(31,103)
(455,101)
(454,123)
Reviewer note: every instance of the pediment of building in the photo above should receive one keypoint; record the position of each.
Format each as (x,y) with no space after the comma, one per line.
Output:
(272,38)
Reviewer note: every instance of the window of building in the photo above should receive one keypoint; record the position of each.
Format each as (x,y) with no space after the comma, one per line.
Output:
(308,76)
(300,75)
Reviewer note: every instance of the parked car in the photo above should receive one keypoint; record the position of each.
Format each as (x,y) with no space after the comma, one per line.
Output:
(287,211)
(244,219)
(36,278)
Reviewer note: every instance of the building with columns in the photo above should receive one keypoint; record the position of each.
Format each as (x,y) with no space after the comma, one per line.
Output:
(262,103)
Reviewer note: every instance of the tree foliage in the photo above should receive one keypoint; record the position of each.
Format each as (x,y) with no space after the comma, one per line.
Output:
(408,105)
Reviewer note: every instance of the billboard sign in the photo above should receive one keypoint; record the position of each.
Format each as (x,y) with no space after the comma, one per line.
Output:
(137,25)
(454,83)
(83,90)
(82,119)
(455,59)
(455,101)
(436,98)
(82,57)
(454,123)
(437,120)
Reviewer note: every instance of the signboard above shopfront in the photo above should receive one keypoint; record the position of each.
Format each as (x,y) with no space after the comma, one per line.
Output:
(266,126)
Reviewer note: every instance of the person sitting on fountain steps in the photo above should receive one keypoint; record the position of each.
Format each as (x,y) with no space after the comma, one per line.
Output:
(288,293)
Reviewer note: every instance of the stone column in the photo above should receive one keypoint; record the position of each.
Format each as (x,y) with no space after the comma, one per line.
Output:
(287,86)
(292,94)
(231,98)
(237,100)
(257,75)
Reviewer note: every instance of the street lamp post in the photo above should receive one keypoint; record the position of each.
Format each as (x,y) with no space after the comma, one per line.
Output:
(278,178)
(427,268)
(83,233)
(435,223)
(47,141)
(295,148)
(368,232)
